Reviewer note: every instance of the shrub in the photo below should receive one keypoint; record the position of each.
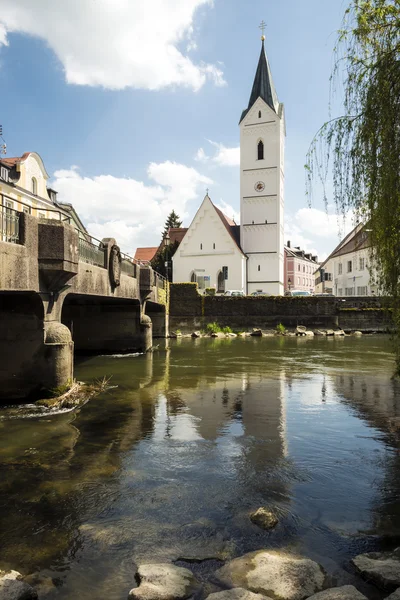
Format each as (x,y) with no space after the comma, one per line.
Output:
(280,328)
(209,291)
(226,329)
(213,327)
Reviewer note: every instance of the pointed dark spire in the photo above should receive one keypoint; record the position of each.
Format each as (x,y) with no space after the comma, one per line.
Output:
(263,86)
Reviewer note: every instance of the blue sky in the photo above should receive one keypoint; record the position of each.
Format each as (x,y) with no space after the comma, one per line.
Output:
(122,100)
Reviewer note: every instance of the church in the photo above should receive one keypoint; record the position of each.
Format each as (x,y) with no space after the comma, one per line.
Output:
(217,253)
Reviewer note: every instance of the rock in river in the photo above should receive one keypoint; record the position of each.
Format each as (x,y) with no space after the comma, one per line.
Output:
(12,588)
(264,518)
(382,568)
(237,594)
(346,592)
(275,573)
(394,596)
(164,582)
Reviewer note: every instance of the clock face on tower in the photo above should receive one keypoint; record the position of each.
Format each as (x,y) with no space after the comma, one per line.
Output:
(259,186)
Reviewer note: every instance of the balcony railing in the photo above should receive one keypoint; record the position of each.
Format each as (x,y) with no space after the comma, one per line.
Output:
(9,225)
(92,253)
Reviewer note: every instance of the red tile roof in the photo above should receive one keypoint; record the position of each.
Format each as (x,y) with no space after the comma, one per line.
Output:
(10,162)
(176,234)
(230,226)
(145,254)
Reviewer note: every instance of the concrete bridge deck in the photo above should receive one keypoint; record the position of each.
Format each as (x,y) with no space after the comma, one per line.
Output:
(60,289)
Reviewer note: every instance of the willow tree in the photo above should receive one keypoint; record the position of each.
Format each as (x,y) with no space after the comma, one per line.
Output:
(362,147)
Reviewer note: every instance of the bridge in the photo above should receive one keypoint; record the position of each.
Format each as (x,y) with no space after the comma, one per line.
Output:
(62,290)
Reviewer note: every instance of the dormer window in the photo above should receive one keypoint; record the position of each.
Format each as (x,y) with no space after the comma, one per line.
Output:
(4,174)
(34,186)
(260,150)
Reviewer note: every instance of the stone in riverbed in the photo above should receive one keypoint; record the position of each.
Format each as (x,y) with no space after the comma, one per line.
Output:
(12,588)
(346,592)
(256,333)
(382,568)
(264,518)
(164,582)
(196,334)
(275,573)
(237,594)
(394,596)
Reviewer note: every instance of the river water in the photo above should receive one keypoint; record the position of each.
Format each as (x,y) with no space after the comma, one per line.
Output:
(168,465)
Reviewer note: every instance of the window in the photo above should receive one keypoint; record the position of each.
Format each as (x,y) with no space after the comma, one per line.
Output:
(259,114)
(26,210)
(260,150)
(214,246)
(340,268)
(362,265)
(348,291)
(362,290)
(304,281)
(34,186)
(266,221)
(340,292)
(193,277)
(259,267)
(298,281)
(220,282)
(349,266)
(298,267)
(304,269)
(201,246)
(4,173)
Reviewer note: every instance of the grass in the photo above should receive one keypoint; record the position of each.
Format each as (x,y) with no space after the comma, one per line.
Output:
(280,328)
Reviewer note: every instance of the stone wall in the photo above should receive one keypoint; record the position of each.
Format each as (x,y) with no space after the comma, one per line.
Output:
(189,310)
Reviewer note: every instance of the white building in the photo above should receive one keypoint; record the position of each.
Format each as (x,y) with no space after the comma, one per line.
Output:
(255,258)
(348,271)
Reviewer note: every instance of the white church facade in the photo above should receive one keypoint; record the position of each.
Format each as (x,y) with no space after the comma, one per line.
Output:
(215,251)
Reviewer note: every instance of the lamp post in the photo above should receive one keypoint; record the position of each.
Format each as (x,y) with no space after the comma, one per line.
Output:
(289,283)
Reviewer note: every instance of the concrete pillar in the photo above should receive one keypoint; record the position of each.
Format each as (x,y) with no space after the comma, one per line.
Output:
(146,330)
(58,356)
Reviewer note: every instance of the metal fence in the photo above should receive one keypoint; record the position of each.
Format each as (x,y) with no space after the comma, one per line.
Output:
(9,225)
(93,254)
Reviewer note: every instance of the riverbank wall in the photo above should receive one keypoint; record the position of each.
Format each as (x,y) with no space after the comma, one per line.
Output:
(190,310)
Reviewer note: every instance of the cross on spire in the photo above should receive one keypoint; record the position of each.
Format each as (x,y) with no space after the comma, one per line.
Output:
(262,26)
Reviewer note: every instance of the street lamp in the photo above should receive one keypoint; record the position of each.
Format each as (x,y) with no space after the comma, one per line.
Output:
(167,241)
(289,283)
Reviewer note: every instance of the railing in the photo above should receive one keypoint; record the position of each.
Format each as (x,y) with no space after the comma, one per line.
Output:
(41,211)
(93,254)
(9,225)
(128,265)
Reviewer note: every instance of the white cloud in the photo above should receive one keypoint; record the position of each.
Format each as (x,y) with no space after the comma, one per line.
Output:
(115,43)
(129,210)
(228,210)
(223,157)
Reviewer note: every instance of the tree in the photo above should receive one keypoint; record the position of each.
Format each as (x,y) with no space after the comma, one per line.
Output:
(363,145)
(173,220)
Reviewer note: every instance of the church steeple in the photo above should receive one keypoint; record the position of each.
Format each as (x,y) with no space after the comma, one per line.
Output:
(263,86)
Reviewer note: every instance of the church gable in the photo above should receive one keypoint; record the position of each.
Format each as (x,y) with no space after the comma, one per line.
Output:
(209,233)
(260,113)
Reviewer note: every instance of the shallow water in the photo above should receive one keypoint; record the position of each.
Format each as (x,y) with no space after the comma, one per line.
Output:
(168,465)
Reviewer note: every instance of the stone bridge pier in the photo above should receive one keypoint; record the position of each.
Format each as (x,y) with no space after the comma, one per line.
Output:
(62,291)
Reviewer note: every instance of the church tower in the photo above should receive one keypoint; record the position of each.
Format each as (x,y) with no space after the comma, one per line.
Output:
(262,140)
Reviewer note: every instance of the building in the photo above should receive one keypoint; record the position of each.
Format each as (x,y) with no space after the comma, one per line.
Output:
(215,251)
(300,267)
(347,271)
(23,188)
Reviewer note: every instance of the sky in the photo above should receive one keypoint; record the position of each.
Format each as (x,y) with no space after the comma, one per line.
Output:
(134,105)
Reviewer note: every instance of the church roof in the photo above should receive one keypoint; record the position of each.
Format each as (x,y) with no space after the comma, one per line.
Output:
(145,254)
(263,86)
(230,226)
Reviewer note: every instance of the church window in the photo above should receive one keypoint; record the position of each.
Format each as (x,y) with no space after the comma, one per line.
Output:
(221,282)
(193,277)
(260,150)
(214,246)
(259,267)
(259,114)
(34,186)
(266,221)
(201,246)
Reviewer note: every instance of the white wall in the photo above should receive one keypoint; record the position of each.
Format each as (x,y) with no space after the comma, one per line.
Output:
(197,253)
(356,282)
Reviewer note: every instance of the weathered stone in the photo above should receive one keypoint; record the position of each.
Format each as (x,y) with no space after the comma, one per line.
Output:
(196,334)
(264,518)
(256,333)
(309,333)
(394,596)
(330,332)
(357,333)
(319,332)
(300,330)
(339,332)
(217,334)
(237,594)
(230,334)
(346,592)
(12,588)
(382,568)
(275,573)
(164,582)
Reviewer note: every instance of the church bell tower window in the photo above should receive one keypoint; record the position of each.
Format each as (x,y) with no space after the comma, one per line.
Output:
(260,150)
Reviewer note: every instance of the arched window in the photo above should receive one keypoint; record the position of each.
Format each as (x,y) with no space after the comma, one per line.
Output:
(34,186)
(193,277)
(259,114)
(260,150)
(220,282)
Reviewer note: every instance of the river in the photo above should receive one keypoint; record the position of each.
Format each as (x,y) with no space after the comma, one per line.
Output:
(168,464)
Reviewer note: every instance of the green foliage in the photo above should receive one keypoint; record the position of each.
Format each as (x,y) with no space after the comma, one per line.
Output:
(209,291)
(280,328)
(173,220)
(213,327)
(363,145)
(226,329)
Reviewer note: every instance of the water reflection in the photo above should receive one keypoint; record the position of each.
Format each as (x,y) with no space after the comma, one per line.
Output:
(169,464)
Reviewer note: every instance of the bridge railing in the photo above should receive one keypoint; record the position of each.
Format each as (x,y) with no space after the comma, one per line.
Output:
(128,265)
(92,253)
(9,225)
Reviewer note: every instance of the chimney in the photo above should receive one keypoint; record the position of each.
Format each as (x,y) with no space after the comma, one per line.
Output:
(288,244)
